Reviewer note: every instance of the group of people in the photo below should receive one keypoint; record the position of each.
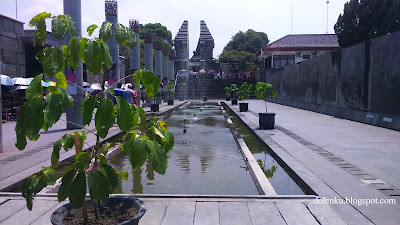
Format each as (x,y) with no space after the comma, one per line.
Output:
(126,91)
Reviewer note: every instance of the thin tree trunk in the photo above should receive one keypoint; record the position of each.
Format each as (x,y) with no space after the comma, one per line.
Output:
(78,150)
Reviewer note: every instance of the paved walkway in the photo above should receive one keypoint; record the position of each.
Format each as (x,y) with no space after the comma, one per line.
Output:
(336,158)
(186,210)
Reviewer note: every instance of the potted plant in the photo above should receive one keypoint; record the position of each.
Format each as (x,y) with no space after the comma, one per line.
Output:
(89,170)
(228,91)
(170,90)
(155,107)
(244,93)
(234,91)
(182,87)
(264,91)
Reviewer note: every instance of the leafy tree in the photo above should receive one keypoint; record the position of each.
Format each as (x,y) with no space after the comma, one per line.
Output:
(159,33)
(238,60)
(241,49)
(366,19)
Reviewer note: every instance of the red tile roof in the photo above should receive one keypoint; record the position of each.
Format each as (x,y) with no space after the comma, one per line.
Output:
(298,42)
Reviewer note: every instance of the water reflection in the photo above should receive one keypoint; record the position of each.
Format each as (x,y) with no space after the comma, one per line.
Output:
(204,160)
(269,173)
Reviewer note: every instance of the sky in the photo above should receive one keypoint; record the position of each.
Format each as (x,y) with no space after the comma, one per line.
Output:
(224,18)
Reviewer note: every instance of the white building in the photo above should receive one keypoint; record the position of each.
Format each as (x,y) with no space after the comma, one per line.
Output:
(296,48)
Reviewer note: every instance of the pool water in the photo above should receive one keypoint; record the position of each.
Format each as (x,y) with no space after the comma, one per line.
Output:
(204,160)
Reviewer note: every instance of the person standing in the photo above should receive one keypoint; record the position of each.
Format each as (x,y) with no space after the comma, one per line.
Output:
(130,94)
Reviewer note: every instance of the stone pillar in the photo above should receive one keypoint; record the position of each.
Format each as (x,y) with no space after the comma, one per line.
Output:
(148,51)
(158,58)
(73,8)
(148,57)
(135,54)
(164,76)
(111,10)
(171,68)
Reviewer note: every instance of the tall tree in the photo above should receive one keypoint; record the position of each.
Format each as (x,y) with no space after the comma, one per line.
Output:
(365,19)
(241,49)
(159,33)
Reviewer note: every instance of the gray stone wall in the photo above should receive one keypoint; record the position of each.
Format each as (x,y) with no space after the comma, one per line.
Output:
(12,49)
(361,82)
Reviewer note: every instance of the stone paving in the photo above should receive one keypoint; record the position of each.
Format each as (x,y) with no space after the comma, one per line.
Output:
(336,158)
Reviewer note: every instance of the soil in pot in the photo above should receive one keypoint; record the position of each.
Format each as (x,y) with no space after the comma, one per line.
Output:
(108,214)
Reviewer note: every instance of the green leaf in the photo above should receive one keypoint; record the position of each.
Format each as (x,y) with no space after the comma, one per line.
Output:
(81,135)
(105,31)
(151,83)
(93,57)
(87,106)
(77,196)
(55,91)
(131,38)
(35,88)
(105,147)
(58,27)
(73,52)
(124,175)
(55,155)
(50,175)
(35,19)
(40,56)
(67,100)
(171,141)
(41,30)
(137,151)
(34,109)
(159,134)
(52,110)
(120,34)
(70,25)
(61,80)
(102,159)
(125,114)
(20,127)
(65,186)
(105,117)
(135,119)
(136,77)
(105,54)
(159,156)
(91,28)
(54,61)
(163,125)
(83,158)
(82,47)
(97,186)
(111,176)
(68,141)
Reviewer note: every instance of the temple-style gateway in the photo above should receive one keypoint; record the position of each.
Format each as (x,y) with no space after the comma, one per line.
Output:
(202,58)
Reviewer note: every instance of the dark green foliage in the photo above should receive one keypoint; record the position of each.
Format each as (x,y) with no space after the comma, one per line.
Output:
(241,50)
(366,19)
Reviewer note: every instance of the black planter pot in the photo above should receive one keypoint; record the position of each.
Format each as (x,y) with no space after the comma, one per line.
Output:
(60,213)
(155,107)
(243,106)
(266,121)
(228,98)
(205,98)
(170,102)
(234,101)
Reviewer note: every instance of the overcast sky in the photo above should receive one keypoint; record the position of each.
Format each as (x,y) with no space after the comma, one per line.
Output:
(224,18)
